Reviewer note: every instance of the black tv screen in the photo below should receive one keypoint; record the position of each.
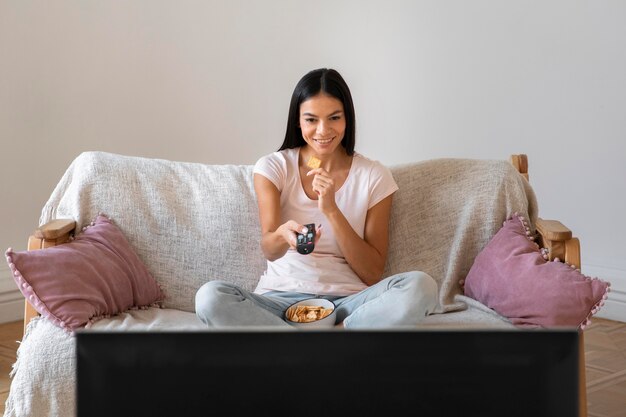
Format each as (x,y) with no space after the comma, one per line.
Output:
(328,373)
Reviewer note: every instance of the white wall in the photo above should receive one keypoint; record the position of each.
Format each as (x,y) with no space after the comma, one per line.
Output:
(210,81)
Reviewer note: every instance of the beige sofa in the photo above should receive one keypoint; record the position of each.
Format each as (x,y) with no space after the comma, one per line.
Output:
(191,223)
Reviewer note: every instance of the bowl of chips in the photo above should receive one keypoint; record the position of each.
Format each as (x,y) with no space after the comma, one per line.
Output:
(311,313)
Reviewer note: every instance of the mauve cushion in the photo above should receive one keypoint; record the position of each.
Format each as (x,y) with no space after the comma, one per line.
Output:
(511,276)
(95,275)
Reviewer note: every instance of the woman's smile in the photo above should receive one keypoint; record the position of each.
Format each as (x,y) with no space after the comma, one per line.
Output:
(324,141)
(322,123)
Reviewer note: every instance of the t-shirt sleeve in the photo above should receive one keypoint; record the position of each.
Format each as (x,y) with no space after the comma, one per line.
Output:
(382,184)
(272,167)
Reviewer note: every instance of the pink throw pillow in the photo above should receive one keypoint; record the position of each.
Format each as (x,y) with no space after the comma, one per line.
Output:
(511,276)
(97,274)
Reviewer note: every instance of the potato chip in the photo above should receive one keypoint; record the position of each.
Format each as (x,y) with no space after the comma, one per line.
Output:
(307,314)
(313,163)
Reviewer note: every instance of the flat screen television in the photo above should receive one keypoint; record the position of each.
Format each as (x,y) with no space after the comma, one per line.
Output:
(325,373)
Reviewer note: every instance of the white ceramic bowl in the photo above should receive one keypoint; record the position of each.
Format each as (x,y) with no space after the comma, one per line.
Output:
(326,322)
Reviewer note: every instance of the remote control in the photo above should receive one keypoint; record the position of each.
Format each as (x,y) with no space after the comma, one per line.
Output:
(306,242)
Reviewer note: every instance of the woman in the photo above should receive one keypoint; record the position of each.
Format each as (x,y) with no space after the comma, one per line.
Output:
(349,198)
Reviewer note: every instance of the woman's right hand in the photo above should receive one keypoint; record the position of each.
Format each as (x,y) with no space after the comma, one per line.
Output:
(288,232)
(276,238)
(289,229)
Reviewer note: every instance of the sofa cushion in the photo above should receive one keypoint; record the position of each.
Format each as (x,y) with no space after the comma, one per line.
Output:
(97,274)
(511,276)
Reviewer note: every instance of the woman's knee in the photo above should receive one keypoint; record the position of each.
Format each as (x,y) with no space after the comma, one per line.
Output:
(424,288)
(424,283)
(209,294)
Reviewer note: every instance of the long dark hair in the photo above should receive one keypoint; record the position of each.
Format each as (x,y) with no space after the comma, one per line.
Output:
(327,81)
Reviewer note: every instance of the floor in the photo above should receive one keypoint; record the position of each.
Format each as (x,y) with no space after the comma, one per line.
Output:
(10,333)
(605,354)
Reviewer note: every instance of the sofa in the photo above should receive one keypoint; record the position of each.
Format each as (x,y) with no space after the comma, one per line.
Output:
(189,223)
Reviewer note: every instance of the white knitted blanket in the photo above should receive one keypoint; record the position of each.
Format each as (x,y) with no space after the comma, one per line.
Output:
(191,223)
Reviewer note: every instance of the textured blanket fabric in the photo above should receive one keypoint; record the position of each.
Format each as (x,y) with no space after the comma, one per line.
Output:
(190,223)
(446,211)
(46,386)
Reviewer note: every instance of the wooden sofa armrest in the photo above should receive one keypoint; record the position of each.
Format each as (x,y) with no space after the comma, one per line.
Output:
(48,235)
(52,233)
(553,235)
(558,239)
(520,162)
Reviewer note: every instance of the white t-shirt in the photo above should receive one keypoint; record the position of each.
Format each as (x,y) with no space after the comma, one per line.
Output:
(324,271)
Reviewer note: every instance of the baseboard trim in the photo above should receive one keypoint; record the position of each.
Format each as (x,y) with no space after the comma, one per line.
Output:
(615,306)
(11,299)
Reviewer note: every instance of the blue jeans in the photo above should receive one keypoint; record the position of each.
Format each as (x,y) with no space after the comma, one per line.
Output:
(400,300)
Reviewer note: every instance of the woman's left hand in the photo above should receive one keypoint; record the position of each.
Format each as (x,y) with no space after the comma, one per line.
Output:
(324,186)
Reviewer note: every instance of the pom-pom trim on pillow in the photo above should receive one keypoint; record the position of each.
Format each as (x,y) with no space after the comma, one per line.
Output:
(69,319)
(512,273)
